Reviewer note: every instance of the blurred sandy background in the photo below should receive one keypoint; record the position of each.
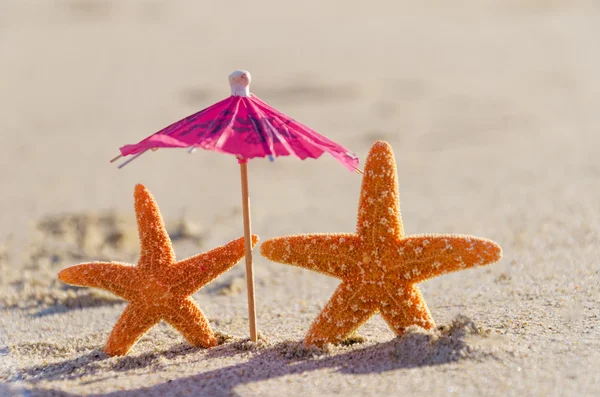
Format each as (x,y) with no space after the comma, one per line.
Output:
(492,110)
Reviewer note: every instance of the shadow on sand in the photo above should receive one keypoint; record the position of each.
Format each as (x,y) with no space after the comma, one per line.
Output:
(285,358)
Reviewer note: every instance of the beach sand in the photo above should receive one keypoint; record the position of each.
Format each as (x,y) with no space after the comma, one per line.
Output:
(491,108)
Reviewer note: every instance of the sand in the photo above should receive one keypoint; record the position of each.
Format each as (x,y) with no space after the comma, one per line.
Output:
(492,110)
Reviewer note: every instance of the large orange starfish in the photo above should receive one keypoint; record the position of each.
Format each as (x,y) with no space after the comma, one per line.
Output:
(379,266)
(158,288)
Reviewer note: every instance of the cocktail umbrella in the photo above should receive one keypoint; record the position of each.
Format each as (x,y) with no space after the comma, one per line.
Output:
(246,127)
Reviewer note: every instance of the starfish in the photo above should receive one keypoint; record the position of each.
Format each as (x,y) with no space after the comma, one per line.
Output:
(158,288)
(378,265)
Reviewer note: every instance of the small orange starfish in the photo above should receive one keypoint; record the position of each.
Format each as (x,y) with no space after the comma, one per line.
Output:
(379,266)
(157,288)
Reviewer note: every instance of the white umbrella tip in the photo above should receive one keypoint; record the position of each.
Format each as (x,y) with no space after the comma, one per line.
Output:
(240,83)
(240,77)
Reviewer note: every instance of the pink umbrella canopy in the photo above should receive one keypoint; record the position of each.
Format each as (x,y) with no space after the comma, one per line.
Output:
(246,127)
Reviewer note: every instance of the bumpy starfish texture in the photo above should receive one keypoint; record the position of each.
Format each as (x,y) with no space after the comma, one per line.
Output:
(158,288)
(379,266)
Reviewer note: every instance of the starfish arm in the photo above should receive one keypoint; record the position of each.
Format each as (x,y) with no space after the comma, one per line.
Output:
(188,319)
(331,254)
(135,321)
(379,218)
(189,275)
(118,278)
(429,256)
(345,312)
(405,307)
(155,244)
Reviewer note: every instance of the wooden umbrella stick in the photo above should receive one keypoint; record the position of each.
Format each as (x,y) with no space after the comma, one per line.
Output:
(248,242)
(116,158)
